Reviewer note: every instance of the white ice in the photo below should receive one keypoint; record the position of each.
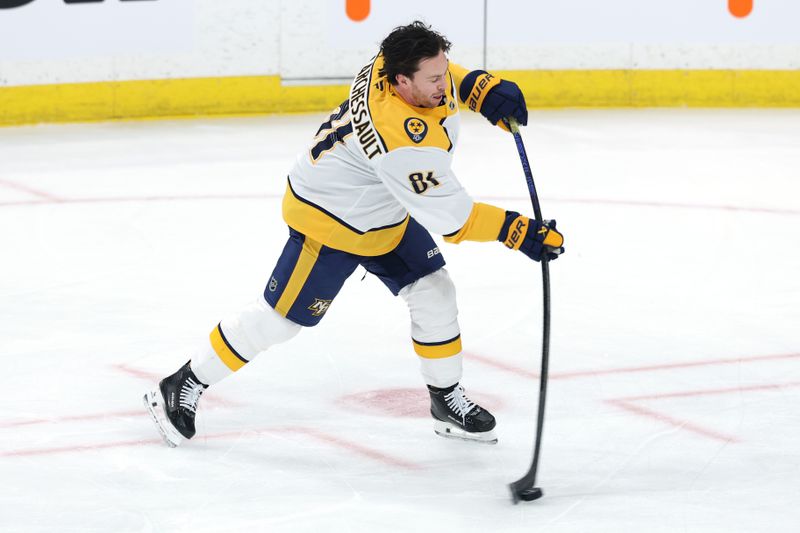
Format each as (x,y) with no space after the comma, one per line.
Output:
(674,398)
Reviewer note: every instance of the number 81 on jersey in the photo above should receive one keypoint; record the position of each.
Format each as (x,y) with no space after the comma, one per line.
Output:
(421,182)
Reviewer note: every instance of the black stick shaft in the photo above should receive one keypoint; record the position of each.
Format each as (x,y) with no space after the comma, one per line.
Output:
(529,479)
(526,168)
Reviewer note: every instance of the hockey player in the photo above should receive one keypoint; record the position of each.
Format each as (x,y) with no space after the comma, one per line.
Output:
(374,182)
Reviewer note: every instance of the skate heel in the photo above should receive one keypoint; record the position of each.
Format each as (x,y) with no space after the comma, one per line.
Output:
(154,404)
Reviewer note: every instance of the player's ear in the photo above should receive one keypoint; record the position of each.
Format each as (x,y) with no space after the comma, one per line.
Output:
(403,80)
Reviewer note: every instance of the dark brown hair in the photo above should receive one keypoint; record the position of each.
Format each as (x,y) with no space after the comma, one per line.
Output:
(404,48)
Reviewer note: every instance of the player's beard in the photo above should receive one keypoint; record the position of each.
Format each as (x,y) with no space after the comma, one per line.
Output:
(424,100)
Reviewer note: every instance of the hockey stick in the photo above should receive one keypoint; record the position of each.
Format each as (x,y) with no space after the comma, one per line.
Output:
(525,488)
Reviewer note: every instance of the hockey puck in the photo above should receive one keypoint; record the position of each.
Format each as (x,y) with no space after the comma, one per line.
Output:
(527,494)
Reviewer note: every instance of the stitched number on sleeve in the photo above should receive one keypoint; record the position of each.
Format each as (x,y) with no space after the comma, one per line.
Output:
(421,181)
(335,130)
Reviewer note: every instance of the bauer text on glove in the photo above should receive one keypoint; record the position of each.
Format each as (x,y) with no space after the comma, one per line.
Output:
(535,240)
(494,98)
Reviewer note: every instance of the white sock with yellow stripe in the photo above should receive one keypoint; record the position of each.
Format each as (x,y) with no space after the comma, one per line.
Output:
(239,338)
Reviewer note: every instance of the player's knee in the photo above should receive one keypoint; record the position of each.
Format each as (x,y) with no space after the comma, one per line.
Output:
(257,327)
(432,293)
(432,304)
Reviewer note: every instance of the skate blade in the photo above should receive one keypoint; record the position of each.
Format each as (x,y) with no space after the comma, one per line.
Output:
(450,431)
(171,437)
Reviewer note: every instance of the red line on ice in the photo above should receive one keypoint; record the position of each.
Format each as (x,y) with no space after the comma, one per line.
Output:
(672,366)
(209,399)
(143,199)
(354,447)
(153,378)
(78,448)
(628,405)
(74,418)
(672,421)
(332,440)
(215,402)
(45,197)
(149,376)
(49,199)
(494,363)
(711,392)
(646,203)
(626,370)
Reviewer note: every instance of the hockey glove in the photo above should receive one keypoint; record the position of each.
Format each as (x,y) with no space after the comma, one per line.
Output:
(535,240)
(494,98)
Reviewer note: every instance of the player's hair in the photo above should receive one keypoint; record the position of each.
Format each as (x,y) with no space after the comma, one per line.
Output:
(404,48)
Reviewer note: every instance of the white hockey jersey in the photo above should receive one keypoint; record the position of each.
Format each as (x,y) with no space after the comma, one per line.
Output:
(376,161)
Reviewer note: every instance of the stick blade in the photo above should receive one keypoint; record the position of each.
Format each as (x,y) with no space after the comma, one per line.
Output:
(524,493)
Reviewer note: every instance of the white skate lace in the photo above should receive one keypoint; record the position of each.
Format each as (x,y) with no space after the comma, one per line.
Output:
(190,394)
(458,403)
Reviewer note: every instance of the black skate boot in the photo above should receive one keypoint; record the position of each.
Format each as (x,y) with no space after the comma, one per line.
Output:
(456,416)
(173,405)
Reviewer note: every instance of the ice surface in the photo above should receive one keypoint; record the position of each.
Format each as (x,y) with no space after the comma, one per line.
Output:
(674,398)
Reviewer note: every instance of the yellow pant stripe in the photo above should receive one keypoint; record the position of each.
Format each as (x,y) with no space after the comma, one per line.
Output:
(224,351)
(308,257)
(438,350)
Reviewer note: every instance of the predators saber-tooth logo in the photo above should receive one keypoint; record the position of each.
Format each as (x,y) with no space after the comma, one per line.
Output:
(416,129)
(319,307)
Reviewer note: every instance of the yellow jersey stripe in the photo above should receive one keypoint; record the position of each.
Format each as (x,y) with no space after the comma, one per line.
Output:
(438,350)
(225,351)
(302,269)
(321,226)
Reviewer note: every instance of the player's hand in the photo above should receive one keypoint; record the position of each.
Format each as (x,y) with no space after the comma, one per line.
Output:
(505,100)
(494,98)
(537,241)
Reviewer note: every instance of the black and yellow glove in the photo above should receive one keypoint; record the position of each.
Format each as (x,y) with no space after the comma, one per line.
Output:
(537,241)
(494,98)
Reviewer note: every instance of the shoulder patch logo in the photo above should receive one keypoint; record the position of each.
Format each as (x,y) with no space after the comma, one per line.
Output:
(416,129)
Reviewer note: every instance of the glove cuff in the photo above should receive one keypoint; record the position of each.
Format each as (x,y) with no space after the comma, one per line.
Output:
(514,229)
(475,87)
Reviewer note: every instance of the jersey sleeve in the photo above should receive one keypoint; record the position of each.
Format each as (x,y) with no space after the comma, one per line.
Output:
(421,179)
(459,73)
(472,86)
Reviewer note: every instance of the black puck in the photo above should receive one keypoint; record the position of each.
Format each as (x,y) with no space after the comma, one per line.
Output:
(525,494)
(533,493)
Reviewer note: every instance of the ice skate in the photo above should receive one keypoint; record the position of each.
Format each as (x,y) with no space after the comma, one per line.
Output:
(173,405)
(457,417)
